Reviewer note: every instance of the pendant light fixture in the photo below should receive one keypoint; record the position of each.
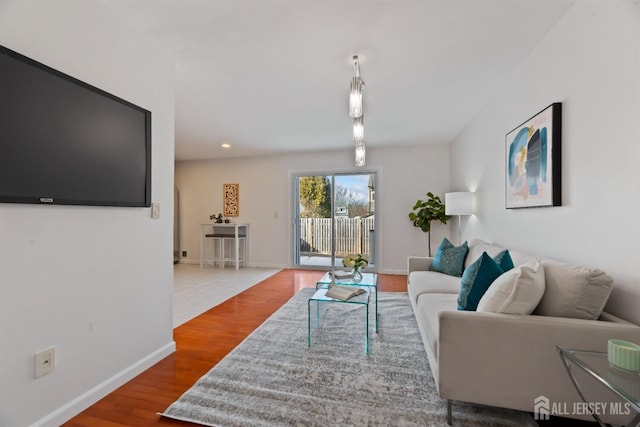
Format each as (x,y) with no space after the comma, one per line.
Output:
(355,92)
(358,130)
(360,154)
(356,112)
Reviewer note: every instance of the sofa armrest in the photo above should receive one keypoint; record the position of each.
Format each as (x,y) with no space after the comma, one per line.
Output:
(509,360)
(418,263)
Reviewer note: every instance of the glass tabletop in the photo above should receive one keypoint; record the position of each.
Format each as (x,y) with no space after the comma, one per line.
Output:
(320,295)
(368,279)
(626,384)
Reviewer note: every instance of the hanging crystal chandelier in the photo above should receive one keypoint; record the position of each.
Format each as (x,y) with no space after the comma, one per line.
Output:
(355,92)
(356,112)
(358,130)
(360,154)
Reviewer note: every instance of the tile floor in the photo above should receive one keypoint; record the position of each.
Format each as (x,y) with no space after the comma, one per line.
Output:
(196,290)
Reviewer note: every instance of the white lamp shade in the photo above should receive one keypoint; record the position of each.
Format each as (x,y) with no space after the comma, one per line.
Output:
(459,203)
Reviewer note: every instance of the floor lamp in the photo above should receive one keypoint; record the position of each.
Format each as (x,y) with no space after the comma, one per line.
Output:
(459,203)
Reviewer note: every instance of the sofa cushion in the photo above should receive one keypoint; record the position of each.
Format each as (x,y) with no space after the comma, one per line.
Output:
(574,291)
(449,259)
(476,279)
(477,247)
(427,313)
(504,260)
(521,258)
(517,291)
(421,282)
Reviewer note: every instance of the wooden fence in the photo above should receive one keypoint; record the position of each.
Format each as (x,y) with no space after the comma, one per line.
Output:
(353,236)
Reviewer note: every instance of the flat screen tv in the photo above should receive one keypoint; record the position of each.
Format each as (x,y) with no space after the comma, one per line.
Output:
(63,141)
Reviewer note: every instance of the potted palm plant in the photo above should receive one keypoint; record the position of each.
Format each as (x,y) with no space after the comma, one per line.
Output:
(425,211)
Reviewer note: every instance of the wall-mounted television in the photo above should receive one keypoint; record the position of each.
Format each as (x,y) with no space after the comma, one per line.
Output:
(63,141)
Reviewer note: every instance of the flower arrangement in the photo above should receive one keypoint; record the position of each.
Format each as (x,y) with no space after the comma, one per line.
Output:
(355,261)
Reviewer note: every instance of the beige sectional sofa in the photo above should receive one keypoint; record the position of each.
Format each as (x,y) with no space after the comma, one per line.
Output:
(508,360)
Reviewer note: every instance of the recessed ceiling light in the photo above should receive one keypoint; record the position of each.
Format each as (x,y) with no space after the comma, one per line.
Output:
(225,145)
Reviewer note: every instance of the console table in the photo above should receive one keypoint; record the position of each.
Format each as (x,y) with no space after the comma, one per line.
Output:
(238,232)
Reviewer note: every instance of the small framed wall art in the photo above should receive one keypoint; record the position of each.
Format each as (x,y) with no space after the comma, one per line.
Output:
(231,205)
(533,161)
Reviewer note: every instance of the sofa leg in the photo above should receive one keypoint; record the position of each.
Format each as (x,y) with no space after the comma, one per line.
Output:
(449,415)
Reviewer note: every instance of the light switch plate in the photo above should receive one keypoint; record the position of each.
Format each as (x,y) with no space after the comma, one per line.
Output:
(155,210)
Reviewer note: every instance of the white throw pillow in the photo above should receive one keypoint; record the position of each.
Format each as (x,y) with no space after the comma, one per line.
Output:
(517,291)
(574,291)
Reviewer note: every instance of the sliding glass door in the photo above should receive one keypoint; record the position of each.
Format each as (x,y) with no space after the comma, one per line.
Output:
(333,212)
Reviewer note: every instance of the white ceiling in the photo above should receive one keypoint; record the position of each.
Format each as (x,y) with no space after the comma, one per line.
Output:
(271,76)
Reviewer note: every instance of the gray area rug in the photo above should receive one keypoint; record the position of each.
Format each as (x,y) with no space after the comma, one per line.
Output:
(274,379)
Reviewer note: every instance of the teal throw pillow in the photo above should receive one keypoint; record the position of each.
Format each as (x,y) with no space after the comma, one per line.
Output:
(504,260)
(476,280)
(449,259)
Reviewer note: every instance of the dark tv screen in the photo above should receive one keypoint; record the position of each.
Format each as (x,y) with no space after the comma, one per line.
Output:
(63,141)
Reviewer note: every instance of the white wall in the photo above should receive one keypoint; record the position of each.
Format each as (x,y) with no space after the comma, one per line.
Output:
(266,199)
(96,282)
(590,61)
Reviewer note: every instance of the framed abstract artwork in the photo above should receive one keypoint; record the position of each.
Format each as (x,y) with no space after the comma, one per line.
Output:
(231,205)
(533,161)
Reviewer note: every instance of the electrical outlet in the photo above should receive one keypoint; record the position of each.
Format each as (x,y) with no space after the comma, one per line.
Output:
(155,210)
(45,361)
(184,254)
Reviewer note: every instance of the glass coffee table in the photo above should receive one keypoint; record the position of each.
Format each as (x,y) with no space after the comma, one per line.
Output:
(369,280)
(319,300)
(626,385)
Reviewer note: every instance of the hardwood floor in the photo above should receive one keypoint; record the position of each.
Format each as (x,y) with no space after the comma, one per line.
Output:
(204,341)
(200,344)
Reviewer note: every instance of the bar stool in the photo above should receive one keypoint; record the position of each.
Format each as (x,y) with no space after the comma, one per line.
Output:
(218,250)
(228,241)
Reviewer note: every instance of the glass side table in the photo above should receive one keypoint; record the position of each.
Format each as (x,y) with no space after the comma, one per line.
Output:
(369,280)
(596,365)
(320,299)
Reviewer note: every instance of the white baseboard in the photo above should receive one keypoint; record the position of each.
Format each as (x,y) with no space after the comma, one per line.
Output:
(254,265)
(82,402)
